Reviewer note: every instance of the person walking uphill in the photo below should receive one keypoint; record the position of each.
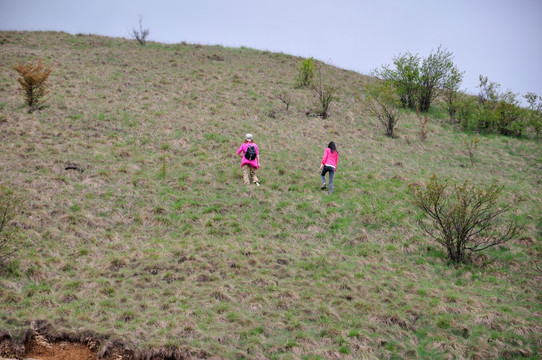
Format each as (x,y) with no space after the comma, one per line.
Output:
(250,162)
(329,165)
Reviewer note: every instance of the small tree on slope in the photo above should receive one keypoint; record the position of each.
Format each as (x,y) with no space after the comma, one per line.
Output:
(464,218)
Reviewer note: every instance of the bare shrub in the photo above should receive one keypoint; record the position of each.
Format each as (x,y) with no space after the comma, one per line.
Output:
(325,94)
(383,103)
(285,98)
(33,82)
(462,217)
(10,208)
(470,147)
(141,34)
(423,125)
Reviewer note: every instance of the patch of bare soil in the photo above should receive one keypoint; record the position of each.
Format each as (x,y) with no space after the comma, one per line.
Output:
(42,342)
(41,349)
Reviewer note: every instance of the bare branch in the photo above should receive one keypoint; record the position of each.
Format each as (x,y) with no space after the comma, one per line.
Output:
(285,98)
(140,34)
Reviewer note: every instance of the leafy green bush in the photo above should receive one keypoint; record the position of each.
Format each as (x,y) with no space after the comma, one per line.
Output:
(451,92)
(534,115)
(462,217)
(419,81)
(405,78)
(434,72)
(465,107)
(492,111)
(306,71)
(511,116)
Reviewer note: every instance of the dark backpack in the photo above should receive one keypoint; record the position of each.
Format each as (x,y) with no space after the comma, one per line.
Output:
(250,154)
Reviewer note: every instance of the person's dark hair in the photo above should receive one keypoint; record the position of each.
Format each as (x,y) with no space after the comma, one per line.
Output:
(333,147)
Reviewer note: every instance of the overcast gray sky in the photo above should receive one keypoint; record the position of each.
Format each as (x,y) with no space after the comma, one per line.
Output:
(496,38)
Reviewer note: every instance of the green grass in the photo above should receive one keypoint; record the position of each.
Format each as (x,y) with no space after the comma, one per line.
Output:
(157,242)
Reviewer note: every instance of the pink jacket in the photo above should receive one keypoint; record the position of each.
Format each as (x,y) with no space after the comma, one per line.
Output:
(243,149)
(330,158)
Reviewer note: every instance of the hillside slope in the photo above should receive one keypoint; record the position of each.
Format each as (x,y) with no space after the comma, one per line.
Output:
(153,239)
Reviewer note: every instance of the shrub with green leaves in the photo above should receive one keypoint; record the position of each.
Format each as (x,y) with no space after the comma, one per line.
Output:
(465,107)
(462,217)
(501,112)
(534,114)
(419,81)
(434,72)
(493,112)
(451,92)
(306,71)
(405,77)
(511,116)
(10,207)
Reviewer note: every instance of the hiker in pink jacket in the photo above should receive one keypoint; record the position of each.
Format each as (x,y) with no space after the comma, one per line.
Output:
(329,165)
(248,151)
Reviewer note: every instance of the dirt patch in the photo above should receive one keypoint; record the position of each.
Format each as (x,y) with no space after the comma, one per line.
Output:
(43,342)
(41,349)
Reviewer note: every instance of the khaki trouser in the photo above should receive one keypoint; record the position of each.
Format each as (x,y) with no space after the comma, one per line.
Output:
(249,172)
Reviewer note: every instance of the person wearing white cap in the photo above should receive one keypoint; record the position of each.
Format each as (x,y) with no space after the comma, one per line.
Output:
(250,155)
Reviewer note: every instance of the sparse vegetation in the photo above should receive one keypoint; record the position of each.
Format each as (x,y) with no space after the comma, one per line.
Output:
(10,209)
(188,262)
(464,218)
(33,82)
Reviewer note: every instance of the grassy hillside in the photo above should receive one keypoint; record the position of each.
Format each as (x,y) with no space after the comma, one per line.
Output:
(155,241)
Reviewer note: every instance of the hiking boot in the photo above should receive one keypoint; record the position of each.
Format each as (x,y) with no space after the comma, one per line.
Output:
(323,187)
(257,183)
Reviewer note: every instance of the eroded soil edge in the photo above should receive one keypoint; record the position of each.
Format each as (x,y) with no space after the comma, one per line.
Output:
(42,342)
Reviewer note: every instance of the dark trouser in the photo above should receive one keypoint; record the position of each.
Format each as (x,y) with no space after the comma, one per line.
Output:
(331,176)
